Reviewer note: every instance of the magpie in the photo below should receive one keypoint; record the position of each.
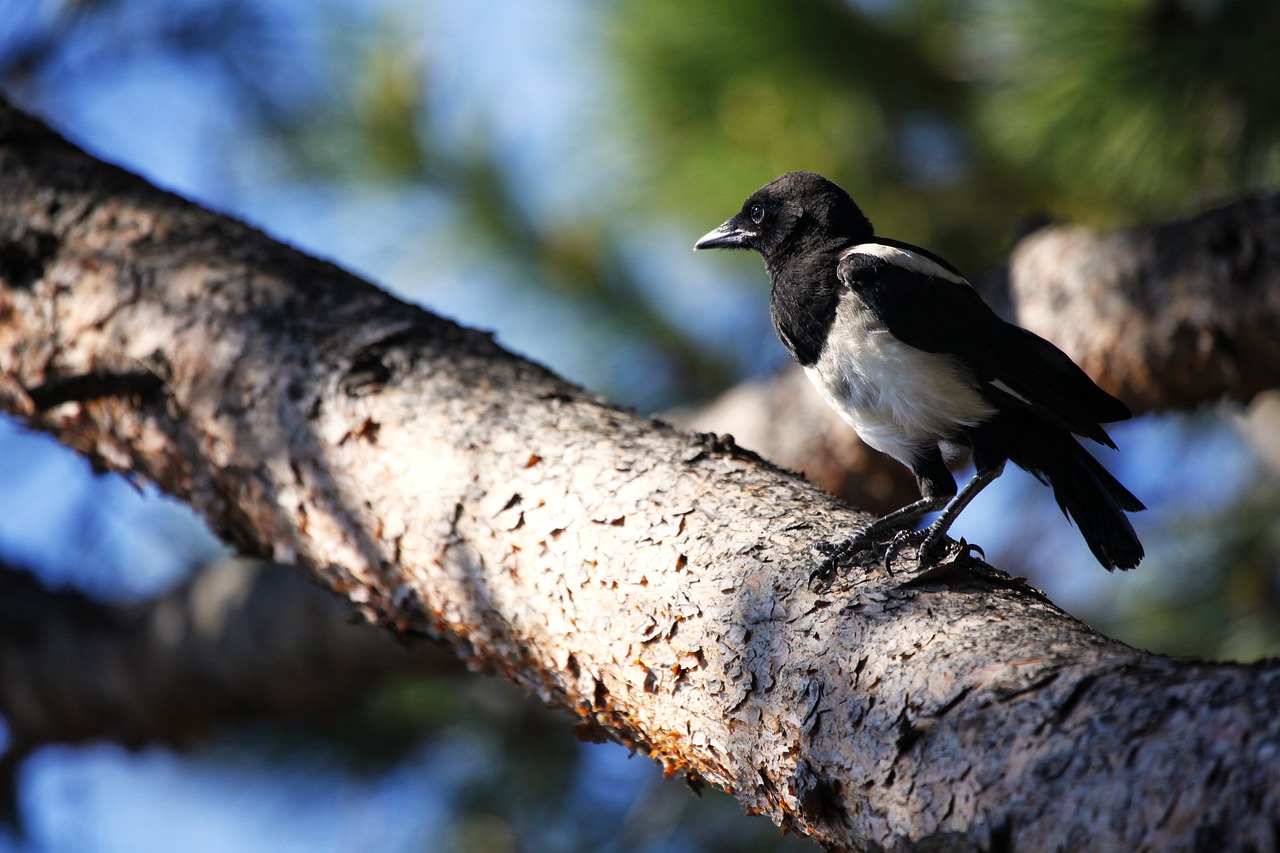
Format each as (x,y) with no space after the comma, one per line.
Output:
(899,343)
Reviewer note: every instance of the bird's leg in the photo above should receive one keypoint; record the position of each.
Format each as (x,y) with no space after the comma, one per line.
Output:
(937,486)
(869,536)
(933,538)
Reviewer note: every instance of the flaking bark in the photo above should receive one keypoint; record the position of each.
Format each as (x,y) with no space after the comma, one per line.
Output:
(650,581)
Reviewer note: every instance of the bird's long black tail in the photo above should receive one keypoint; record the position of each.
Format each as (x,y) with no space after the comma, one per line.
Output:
(1091,497)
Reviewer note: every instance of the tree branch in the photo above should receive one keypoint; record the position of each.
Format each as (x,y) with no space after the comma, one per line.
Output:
(240,638)
(1166,316)
(652,582)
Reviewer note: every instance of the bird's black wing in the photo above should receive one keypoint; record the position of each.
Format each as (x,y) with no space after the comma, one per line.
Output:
(925,303)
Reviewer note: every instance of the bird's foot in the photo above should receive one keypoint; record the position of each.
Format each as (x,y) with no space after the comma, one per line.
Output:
(910,537)
(835,553)
(937,554)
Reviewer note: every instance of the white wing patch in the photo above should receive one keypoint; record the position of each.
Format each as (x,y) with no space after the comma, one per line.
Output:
(905,259)
(1012,393)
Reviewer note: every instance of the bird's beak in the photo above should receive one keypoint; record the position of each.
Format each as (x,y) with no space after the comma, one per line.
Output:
(724,237)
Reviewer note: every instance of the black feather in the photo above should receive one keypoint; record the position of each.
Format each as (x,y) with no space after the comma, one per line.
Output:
(940,316)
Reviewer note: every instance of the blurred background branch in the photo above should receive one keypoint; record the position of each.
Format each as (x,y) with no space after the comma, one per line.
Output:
(239,638)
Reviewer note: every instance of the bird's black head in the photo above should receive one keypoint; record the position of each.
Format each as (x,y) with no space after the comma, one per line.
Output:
(799,211)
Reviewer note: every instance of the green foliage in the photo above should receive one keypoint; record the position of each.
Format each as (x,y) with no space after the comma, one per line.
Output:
(1131,108)
(949,122)
(735,93)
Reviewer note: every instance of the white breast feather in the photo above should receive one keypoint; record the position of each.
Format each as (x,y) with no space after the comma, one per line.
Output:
(898,398)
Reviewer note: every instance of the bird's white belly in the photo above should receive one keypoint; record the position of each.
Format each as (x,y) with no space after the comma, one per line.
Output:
(899,399)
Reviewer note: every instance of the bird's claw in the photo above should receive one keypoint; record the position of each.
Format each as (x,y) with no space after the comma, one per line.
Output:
(825,548)
(822,575)
(834,553)
(901,540)
(937,554)
(931,556)
(968,549)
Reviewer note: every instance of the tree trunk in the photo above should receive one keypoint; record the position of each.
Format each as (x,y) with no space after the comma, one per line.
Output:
(650,581)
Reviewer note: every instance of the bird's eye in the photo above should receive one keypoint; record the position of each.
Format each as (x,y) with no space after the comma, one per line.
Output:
(757,214)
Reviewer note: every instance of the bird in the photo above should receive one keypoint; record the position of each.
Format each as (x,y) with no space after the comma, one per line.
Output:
(902,346)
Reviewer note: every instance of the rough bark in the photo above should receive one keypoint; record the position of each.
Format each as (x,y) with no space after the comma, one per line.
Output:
(239,638)
(652,582)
